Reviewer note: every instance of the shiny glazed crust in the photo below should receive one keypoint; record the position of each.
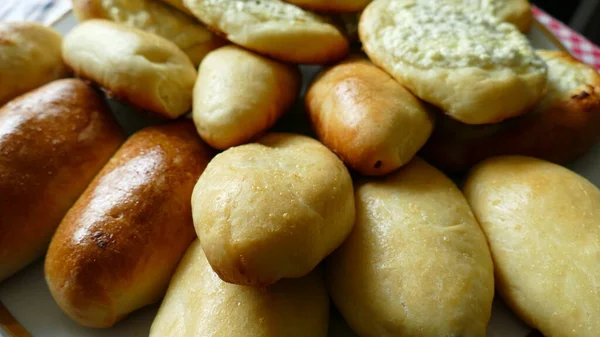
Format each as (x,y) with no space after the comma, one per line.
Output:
(542,222)
(53,141)
(272,209)
(154,17)
(239,95)
(198,303)
(563,127)
(274,28)
(140,68)
(118,246)
(416,262)
(30,56)
(361,113)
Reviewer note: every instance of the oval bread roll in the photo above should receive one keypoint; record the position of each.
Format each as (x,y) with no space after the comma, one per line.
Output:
(332,6)
(542,222)
(563,127)
(198,303)
(53,141)
(140,68)
(118,246)
(29,58)
(366,117)
(475,68)
(272,209)
(154,17)
(274,28)
(239,94)
(416,263)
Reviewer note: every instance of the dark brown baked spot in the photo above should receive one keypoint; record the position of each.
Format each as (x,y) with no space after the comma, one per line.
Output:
(378,164)
(582,95)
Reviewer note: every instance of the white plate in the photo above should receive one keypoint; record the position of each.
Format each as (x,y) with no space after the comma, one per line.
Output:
(27,297)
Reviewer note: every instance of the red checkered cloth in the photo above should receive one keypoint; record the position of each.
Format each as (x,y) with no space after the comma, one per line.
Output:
(579,46)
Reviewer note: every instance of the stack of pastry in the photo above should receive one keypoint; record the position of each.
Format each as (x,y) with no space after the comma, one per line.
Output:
(248,227)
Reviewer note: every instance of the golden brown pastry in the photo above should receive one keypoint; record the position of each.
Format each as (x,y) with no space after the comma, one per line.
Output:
(198,303)
(240,94)
(416,263)
(29,58)
(118,246)
(542,222)
(140,68)
(563,127)
(274,28)
(53,141)
(361,113)
(154,17)
(272,209)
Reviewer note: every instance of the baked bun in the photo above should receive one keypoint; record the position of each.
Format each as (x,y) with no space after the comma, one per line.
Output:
(361,113)
(331,6)
(272,209)
(416,263)
(563,126)
(140,68)
(30,54)
(274,28)
(475,68)
(154,17)
(118,246)
(517,12)
(198,303)
(53,141)
(239,94)
(542,223)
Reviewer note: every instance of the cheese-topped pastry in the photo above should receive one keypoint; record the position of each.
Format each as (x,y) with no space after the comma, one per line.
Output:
(474,67)
(274,28)
(517,12)
(154,17)
(562,127)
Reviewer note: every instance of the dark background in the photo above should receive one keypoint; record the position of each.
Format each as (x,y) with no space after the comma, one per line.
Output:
(581,15)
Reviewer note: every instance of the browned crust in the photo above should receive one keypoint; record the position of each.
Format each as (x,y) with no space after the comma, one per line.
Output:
(327,7)
(126,233)
(60,136)
(561,133)
(365,156)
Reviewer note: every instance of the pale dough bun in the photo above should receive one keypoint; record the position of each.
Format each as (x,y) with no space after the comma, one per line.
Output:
(140,68)
(273,209)
(542,222)
(416,263)
(240,94)
(517,12)
(53,141)
(198,304)
(331,6)
(563,126)
(30,56)
(274,28)
(119,245)
(361,113)
(475,68)
(154,17)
